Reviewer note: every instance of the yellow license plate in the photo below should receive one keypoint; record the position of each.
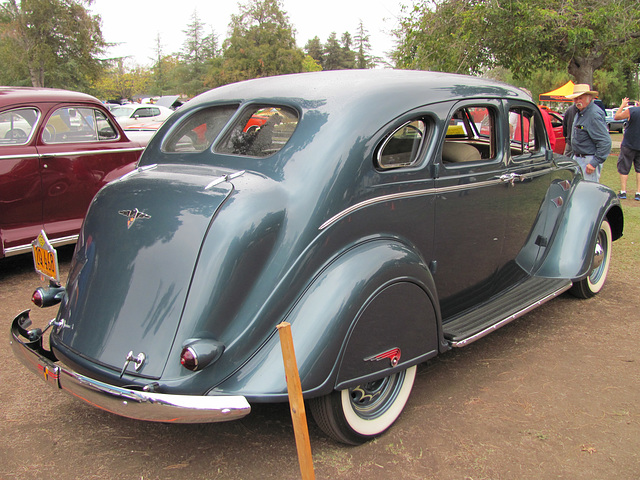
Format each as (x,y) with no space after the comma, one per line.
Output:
(45,257)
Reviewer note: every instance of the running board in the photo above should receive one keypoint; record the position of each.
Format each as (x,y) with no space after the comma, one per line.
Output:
(478,322)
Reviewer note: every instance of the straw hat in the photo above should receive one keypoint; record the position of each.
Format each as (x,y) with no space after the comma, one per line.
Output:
(581,89)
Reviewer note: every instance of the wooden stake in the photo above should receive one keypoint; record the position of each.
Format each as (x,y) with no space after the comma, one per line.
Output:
(296,403)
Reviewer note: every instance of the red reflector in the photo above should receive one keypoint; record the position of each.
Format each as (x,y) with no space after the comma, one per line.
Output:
(189,359)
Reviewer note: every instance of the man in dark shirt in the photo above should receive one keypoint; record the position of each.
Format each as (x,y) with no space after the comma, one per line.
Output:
(567,124)
(630,147)
(590,138)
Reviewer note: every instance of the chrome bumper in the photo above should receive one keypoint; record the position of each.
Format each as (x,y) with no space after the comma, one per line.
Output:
(140,405)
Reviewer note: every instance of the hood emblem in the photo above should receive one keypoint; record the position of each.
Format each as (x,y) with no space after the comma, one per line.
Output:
(133,215)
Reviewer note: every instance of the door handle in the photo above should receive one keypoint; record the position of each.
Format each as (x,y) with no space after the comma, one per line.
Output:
(511,178)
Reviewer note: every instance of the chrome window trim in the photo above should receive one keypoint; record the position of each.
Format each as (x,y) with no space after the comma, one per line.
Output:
(34,129)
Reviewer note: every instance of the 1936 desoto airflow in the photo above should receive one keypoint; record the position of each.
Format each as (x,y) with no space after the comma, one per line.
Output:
(388,216)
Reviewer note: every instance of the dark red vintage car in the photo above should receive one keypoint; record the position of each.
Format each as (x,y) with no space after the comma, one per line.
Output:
(57,149)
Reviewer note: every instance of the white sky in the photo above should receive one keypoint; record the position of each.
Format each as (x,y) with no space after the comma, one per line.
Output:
(134,24)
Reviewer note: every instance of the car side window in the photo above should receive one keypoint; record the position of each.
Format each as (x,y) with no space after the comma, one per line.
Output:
(197,132)
(106,130)
(402,148)
(17,126)
(522,131)
(471,135)
(260,132)
(75,124)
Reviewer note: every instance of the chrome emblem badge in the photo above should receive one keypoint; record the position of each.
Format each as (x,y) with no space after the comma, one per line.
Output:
(133,215)
(392,355)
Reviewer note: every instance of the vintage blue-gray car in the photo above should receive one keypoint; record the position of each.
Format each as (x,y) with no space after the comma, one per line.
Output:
(387,216)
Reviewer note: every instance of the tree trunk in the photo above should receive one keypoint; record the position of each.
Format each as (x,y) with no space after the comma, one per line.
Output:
(37,76)
(582,68)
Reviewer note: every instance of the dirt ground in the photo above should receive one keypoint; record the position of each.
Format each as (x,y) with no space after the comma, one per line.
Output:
(555,394)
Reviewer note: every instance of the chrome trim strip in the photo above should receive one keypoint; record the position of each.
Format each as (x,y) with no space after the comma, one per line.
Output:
(91,152)
(12,157)
(403,195)
(224,178)
(56,242)
(138,170)
(140,405)
(68,154)
(509,319)
(419,193)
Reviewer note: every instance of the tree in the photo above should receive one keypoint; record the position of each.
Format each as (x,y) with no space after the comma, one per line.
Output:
(363,57)
(314,49)
(52,43)
(119,82)
(470,36)
(198,55)
(262,43)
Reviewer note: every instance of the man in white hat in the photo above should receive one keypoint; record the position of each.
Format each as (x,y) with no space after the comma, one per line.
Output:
(590,138)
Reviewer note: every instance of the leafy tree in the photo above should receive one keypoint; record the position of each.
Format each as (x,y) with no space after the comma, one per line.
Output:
(262,43)
(54,43)
(471,36)
(310,64)
(119,82)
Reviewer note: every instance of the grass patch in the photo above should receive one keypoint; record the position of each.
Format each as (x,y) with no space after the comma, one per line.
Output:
(626,249)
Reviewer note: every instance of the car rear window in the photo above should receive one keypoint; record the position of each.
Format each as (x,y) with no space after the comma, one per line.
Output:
(260,131)
(198,131)
(17,126)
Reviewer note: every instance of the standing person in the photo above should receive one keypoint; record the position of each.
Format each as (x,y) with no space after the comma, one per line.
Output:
(630,147)
(590,138)
(567,125)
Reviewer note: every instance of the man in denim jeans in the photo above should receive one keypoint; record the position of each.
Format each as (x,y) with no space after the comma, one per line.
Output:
(590,138)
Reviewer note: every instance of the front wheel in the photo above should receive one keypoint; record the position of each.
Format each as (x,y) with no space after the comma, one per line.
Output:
(356,415)
(594,282)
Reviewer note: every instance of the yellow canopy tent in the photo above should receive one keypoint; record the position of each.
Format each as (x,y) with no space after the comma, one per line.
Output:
(559,94)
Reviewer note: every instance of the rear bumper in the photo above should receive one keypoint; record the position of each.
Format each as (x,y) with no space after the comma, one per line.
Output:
(140,405)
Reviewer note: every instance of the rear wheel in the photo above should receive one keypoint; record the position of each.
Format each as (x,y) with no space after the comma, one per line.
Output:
(356,415)
(591,285)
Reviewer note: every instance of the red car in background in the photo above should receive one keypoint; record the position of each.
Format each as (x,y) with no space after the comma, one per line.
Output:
(556,123)
(57,149)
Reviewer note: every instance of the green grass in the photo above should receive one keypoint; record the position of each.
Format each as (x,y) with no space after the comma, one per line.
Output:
(626,251)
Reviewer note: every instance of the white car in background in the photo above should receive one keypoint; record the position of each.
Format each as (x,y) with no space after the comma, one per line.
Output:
(134,113)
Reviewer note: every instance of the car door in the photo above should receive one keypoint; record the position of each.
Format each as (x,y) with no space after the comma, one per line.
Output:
(20,192)
(81,150)
(529,173)
(471,206)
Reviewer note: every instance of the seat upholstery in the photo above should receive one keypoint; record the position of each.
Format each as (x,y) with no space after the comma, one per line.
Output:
(457,152)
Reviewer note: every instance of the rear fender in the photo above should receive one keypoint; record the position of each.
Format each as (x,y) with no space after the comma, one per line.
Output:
(571,250)
(352,310)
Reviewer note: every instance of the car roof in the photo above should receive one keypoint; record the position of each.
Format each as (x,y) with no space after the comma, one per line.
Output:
(373,85)
(30,95)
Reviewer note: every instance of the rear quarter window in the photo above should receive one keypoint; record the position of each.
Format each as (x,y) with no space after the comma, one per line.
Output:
(403,147)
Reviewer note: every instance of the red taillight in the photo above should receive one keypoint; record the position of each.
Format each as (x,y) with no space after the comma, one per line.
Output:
(189,359)
(37,298)
(47,297)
